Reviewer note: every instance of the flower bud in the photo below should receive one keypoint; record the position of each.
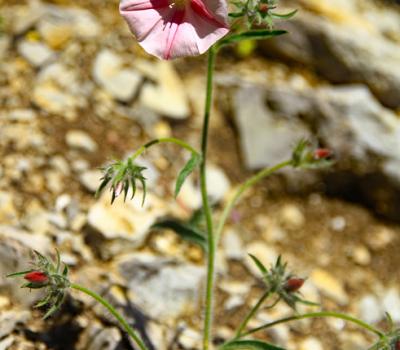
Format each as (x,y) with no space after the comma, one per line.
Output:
(37,277)
(322,153)
(397,345)
(293,284)
(263,8)
(119,187)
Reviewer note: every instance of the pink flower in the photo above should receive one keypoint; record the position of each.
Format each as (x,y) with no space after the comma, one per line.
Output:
(176,28)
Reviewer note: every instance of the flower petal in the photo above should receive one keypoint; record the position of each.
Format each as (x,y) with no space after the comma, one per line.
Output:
(206,32)
(201,9)
(168,32)
(143,16)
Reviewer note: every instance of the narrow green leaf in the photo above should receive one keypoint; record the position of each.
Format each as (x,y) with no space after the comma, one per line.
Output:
(183,230)
(251,34)
(283,16)
(51,311)
(193,162)
(259,264)
(104,182)
(143,182)
(236,14)
(58,261)
(249,345)
(17,274)
(65,271)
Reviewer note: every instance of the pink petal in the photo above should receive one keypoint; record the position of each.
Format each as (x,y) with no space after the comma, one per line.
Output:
(168,32)
(200,8)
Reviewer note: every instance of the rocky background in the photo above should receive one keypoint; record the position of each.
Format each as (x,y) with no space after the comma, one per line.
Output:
(76,92)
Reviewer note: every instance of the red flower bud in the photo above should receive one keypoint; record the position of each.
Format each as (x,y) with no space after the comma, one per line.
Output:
(37,277)
(322,153)
(263,8)
(293,284)
(397,345)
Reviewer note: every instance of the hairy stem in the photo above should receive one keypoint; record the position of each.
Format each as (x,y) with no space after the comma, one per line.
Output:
(242,188)
(206,204)
(178,142)
(252,312)
(136,338)
(345,317)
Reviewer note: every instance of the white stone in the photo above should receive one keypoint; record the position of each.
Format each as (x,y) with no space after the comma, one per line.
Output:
(218,183)
(370,309)
(311,344)
(233,245)
(262,252)
(80,140)
(22,115)
(128,220)
(361,255)
(292,216)
(190,339)
(6,343)
(35,52)
(168,97)
(338,223)
(52,99)
(9,319)
(233,302)
(91,179)
(391,303)
(329,285)
(119,82)
(164,289)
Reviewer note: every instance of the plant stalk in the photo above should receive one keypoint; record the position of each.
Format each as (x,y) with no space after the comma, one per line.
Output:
(348,318)
(136,338)
(206,205)
(252,312)
(178,142)
(242,188)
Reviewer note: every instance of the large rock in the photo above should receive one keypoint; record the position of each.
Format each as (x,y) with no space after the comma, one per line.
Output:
(108,71)
(164,288)
(265,138)
(347,119)
(346,42)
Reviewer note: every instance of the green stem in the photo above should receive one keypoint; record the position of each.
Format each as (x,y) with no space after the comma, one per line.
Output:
(206,205)
(178,142)
(114,312)
(251,314)
(242,188)
(356,321)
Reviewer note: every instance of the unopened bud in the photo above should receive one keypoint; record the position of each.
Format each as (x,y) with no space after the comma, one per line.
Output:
(263,8)
(293,284)
(397,345)
(118,188)
(37,277)
(322,153)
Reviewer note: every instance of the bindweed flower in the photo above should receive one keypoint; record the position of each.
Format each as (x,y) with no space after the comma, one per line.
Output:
(169,29)
(49,275)
(282,283)
(122,175)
